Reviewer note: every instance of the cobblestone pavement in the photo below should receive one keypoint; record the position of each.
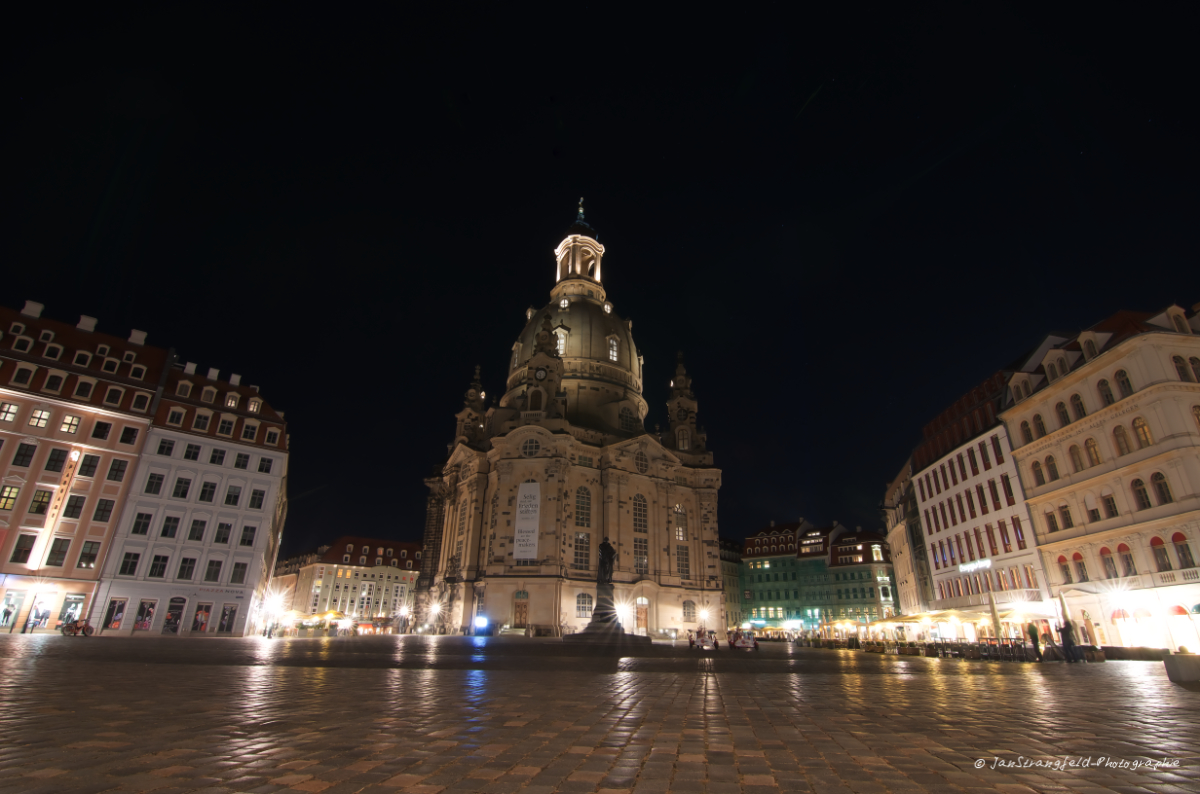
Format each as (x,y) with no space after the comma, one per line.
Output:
(426,715)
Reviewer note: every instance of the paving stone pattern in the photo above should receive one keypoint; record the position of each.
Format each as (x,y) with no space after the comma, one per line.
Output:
(450,714)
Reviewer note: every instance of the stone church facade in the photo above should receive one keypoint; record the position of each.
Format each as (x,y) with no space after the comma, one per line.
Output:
(566,444)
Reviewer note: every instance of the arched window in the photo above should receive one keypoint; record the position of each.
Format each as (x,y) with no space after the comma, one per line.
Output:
(1051,468)
(1128,568)
(612,349)
(1124,385)
(1076,459)
(583,507)
(1089,347)
(562,343)
(1141,431)
(1093,452)
(1025,388)
(1195,365)
(1051,520)
(1106,394)
(349,547)
(1053,371)
(1064,567)
(1039,426)
(1062,365)
(1181,368)
(1161,561)
(1110,565)
(1162,489)
(680,522)
(516,355)
(689,611)
(641,522)
(1080,566)
(1121,439)
(1077,406)
(1038,477)
(1196,414)
(1026,433)
(1064,418)
(583,605)
(1180,325)
(1141,498)
(683,439)
(535,400)
(1183,551)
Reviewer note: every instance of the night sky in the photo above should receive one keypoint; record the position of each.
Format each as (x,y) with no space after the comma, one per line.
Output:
(844,222)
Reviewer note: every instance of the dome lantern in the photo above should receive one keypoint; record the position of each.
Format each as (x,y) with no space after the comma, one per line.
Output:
(578,255)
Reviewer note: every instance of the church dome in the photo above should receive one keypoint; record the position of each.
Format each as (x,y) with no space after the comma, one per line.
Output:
(588,329)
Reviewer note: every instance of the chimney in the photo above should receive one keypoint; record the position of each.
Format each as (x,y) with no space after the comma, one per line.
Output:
(137,337)
(235,380)
(214,373)
(772,523)
(86,323)
(254,389)
(189,368)
(32,309)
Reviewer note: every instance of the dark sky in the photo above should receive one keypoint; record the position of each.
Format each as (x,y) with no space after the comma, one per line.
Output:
(845,222)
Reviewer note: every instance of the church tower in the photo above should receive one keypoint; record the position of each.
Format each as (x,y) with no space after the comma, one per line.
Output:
(534,484)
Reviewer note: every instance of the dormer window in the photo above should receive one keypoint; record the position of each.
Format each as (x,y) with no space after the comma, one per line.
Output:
(16,329)
(349,547)
(231,400)
(22,345)
(1089,349)
(612,349)
(208,395)
(82,359)
(54,352)
(562,341)
(110,365)
(1050,368)
(138,372)
(129,357)
(46,336)
(254,406)
(1180,324)
(183,390)
(102,350)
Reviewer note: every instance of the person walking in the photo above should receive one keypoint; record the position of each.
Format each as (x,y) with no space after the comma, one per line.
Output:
(1066,633)
(1032,631)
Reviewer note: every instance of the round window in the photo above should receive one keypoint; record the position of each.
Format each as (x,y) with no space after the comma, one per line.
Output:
(530,448)
(642,462)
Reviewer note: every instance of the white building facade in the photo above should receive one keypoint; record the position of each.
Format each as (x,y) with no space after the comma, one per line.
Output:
(1107,426)
(196,542)
(910,563)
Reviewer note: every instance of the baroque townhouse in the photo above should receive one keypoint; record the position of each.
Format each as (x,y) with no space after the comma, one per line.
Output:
(731,578)
(910,560)
(75,411)
(771,600)
(535,483)
(977,528)
(197,539)
(366,581)
(1107,431)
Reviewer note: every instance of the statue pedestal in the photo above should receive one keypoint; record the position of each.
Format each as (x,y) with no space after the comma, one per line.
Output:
(605,626)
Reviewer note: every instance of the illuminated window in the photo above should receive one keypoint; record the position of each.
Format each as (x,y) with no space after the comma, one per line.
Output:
(1076,459)
(583,508)
(612,349)
(583,551)
(689,611)
(231,400)
(640,514)
(680,522)
(1142,433)
(562,342)
(1093,451)
(39,418)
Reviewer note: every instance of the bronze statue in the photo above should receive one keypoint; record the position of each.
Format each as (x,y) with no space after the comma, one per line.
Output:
(608,557)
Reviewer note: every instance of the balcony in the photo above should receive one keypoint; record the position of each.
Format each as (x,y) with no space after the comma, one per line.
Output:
(1003,599)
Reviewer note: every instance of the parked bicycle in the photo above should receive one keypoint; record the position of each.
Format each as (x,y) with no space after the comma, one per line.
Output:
(77,628)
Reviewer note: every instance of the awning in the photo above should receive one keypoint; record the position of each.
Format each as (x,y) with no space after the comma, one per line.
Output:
(1120,614)
(1175,609)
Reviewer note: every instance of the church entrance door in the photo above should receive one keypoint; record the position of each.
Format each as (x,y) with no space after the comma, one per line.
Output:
(521,615)
(641,616)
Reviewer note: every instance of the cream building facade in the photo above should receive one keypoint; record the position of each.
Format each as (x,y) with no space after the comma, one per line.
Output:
(534,484)
(910,563)
(1107,432)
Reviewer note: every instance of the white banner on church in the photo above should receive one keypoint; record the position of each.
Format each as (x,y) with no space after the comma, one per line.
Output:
(525,536)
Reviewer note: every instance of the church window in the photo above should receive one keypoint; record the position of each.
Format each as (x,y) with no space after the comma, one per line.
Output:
(629,422)
(535,400)
(642,462)
(682,565)
(583,551)
(1181,368)
(1123,383)
(612,349)
(683,438)
(516,355)
(562,342)
(641,555)
(680,523)
(1089,347)
(462,518)
(689,611)
(640,514)
(530,448)
(607,307)
(583,508)
(583,605)
(564,303)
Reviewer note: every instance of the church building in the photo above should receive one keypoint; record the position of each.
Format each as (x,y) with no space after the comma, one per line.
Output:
(535,483)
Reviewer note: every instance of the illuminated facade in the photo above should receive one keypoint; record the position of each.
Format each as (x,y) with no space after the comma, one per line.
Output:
(972,506)
(197,538)
(1107,431)
(366,580)
(731,580)
(798,577)
(75,411)
(910,560)
(535,483)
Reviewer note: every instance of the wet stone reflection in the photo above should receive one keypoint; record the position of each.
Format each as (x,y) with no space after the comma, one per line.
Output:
(432,714)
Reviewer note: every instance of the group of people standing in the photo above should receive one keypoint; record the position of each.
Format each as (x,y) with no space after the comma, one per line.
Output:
(1071,650)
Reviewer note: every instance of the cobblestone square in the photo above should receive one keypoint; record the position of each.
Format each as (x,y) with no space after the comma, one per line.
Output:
(459,714)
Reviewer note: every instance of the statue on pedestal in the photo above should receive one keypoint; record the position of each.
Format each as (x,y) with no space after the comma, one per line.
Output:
(608,558)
